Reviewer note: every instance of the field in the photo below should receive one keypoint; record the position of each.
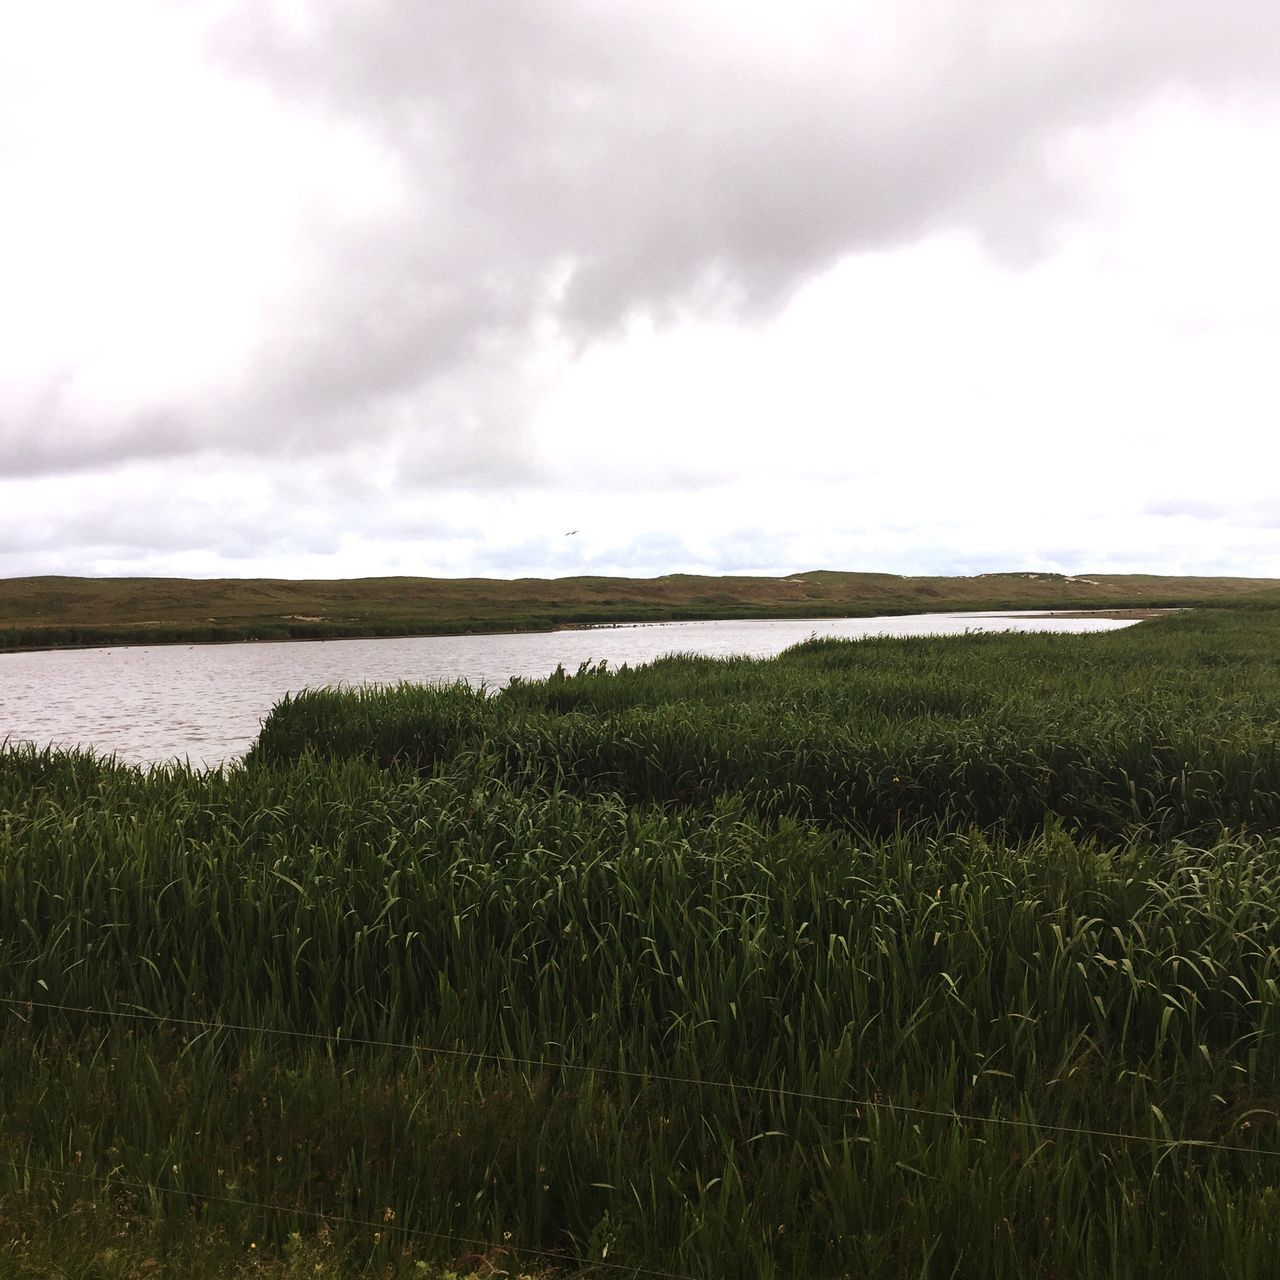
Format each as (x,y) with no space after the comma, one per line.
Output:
(951,957)
(55,612)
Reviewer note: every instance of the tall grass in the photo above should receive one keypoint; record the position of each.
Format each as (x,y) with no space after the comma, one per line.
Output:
(628,973)
(1171,736)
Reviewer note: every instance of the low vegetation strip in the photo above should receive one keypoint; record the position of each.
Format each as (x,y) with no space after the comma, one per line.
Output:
(691,967)
(53,612)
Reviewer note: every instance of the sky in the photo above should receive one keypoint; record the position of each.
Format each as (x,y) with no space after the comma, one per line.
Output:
(339,288)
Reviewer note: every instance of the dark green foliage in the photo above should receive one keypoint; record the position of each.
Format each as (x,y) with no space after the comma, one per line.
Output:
(1035,883)
(1175,736)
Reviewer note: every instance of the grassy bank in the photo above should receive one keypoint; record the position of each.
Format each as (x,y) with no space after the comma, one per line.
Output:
(54,612)
(953,957)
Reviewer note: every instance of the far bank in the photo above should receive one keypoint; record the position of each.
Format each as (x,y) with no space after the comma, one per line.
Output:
(69,612)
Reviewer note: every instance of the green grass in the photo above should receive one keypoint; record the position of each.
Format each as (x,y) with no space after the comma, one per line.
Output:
(879,958)
(1172,729)
(52,612)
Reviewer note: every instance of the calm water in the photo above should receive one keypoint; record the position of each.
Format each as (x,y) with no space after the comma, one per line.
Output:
(205,703)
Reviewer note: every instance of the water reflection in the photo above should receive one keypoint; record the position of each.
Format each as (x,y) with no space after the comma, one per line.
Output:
(205,703)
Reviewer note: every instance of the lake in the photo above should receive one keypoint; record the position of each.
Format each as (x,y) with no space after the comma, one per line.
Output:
(205,703)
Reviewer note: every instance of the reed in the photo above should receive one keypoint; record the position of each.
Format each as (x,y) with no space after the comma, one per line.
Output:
(1175,736)
(666,969)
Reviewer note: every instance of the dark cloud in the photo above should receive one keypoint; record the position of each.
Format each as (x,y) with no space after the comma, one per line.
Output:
(580,161)
(655,163)
(659,156)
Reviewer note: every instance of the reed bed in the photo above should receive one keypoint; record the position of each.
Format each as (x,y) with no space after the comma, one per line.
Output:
(1173,736)
(668,970)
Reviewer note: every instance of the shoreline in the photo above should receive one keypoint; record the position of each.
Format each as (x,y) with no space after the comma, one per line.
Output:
(1134,613)
(44,613)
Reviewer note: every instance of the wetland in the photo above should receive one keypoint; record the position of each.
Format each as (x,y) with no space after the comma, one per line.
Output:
(950,956)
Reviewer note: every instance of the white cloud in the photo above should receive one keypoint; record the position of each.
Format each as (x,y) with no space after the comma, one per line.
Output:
(739,286)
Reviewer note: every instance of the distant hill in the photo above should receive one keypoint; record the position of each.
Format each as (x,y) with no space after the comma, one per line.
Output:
(52,612)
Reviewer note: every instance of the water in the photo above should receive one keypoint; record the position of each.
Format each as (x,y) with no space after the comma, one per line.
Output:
(205,703)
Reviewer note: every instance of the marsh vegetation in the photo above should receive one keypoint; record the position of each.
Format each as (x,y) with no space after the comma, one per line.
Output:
(64,612)
(944,957)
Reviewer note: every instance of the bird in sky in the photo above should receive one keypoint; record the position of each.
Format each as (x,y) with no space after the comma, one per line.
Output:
(571,533)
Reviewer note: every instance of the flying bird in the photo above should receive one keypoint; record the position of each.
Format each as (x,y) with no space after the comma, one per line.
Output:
(571,533)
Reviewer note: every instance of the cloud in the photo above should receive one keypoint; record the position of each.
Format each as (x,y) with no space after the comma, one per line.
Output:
(319,286)
(1242,513)
(291,227)
(735,150)
(154,517)
(1192,508)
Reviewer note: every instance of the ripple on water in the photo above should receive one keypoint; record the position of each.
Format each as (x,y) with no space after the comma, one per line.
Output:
(205,703)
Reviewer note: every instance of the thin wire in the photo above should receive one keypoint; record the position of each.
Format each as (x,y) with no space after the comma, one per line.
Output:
(136,1184)
(730,1085)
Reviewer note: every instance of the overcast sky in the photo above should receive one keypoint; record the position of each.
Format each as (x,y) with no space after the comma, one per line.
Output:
(328,288)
